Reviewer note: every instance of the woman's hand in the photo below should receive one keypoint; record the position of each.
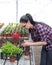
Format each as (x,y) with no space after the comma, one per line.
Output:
(26,43)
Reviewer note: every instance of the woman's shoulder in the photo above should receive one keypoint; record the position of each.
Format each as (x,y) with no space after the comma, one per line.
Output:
(41,24)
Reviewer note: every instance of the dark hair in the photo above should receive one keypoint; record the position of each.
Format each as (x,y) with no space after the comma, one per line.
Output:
(24,19)
(27,17)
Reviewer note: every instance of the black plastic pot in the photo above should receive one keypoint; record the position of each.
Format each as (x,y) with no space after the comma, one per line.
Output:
(18,57)
(1,55)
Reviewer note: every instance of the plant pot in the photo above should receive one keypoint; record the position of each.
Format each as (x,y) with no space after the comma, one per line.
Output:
(27,53)
(1,55)
(18,57)
(12,59)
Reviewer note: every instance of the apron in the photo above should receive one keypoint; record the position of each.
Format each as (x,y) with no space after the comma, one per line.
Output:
(46,56)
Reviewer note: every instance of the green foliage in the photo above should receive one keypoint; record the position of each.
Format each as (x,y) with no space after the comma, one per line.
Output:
(11,27)
(8,47)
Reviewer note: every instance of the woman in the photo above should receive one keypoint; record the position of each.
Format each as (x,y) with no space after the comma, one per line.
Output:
(41,35)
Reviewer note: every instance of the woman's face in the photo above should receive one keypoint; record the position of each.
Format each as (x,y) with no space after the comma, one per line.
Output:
(26,25)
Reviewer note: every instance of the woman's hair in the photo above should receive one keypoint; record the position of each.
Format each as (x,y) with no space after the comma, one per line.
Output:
(24,19)
(27,17)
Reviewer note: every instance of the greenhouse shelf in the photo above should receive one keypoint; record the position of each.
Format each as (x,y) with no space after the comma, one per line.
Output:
(24,60)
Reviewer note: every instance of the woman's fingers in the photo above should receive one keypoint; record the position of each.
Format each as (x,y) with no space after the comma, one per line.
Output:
(25,44)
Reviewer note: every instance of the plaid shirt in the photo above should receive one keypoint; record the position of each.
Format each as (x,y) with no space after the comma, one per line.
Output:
(42,32)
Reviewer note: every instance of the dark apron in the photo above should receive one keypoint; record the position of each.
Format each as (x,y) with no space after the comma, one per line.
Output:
(46,56)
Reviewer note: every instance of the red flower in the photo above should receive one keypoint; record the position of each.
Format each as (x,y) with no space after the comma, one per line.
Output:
(15,35)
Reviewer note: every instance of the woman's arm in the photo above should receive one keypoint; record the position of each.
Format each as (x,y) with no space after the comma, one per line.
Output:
(38,43)
(31,43)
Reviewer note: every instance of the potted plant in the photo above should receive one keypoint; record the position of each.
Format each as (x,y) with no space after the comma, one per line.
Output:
(9,49)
